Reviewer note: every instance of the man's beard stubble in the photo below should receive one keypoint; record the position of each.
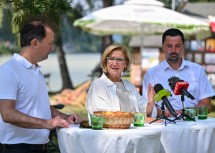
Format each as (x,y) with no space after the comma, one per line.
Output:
(173,57)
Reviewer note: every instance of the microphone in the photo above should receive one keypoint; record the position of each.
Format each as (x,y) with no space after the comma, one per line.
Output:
(179,87)
(162,93)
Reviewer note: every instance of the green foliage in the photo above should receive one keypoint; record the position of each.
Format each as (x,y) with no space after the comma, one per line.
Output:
(6,29)
(1,15)
(53,9)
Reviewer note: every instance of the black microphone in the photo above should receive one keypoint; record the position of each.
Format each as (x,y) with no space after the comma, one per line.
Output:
(161,92)
(179,87)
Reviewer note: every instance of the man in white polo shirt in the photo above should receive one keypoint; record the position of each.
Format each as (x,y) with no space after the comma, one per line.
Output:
(25,113)
(175,66)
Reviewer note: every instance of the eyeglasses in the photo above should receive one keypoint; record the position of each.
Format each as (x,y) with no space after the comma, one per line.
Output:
(112,59)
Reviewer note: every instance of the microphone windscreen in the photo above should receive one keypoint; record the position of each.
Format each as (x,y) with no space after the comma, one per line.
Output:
(158,87)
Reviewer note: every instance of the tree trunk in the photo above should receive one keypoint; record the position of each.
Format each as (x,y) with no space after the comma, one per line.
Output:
(66,81)
(107,40)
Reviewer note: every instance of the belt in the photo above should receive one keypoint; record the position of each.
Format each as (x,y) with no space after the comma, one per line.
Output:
(24,146)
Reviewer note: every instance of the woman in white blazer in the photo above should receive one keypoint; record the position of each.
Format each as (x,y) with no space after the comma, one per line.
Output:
(111,93)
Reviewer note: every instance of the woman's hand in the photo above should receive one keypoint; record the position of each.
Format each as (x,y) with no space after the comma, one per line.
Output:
(151,94)
(151,101)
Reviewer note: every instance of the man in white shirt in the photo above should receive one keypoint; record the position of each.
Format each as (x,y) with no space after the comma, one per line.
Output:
(175,65)
(25,113)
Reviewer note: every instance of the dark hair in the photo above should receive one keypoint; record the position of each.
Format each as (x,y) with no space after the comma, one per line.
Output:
(32,30)
(172,32)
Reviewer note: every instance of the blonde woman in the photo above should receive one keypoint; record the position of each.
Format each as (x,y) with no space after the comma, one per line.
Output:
(110,92)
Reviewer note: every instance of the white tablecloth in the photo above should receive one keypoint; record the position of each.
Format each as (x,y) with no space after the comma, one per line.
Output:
(133,140)
(182,137)
(187,137)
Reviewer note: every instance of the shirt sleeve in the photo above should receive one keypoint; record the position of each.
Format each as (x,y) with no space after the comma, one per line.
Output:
(99,98)
(205,87)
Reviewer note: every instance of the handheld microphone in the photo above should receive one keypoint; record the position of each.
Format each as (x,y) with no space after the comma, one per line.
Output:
(162,93)
(179,87)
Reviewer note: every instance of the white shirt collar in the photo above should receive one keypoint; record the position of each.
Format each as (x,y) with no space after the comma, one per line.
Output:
(166,66)
(108,82)
(20,59)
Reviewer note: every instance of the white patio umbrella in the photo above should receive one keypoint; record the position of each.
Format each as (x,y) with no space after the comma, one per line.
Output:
(145,2)
(136,17)
(140,17)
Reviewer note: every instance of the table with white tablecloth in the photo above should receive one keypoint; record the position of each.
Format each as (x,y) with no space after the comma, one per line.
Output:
(187,136)
(181,137)
(133,140)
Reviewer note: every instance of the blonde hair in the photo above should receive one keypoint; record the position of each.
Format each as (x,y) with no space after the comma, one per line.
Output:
(111,49)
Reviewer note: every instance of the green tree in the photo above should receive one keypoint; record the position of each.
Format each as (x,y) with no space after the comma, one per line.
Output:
(6,29)
(53,10)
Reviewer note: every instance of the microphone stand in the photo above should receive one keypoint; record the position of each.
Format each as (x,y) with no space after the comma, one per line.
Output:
(163,116)
(183,114)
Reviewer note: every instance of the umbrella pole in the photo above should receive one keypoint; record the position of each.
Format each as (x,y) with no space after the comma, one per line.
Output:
(138,68)
(141,52)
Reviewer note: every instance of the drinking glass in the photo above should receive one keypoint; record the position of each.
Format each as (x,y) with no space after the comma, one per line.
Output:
(191,112)
(139,119)
(97,122)
(202,112)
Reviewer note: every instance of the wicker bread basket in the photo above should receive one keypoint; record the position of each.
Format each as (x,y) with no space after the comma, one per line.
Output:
(116,120)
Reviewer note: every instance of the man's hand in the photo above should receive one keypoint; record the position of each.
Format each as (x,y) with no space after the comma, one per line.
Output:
(57,122)
(63,122)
